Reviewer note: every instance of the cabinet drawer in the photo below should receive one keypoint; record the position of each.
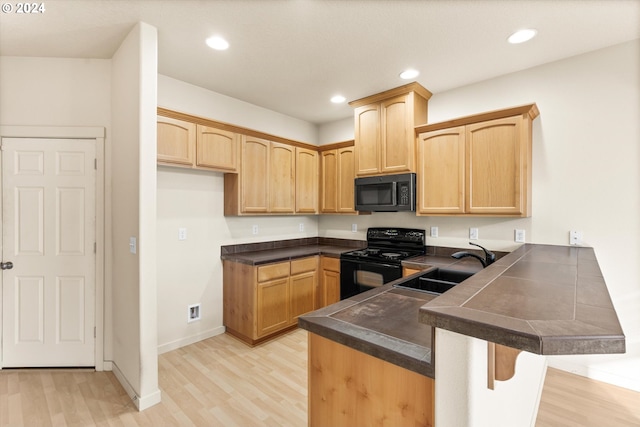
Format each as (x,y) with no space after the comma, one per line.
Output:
(330,263)
(273,271)
(303,265)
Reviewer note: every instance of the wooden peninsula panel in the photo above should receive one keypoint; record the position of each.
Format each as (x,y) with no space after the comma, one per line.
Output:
(350,388)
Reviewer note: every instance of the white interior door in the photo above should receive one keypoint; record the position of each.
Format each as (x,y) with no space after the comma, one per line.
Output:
(48,234)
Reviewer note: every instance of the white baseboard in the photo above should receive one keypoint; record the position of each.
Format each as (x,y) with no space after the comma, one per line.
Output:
(141,402)
(174,345)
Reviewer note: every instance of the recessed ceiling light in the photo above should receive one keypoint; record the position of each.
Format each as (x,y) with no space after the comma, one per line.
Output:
(409,74)
(522,36)
(338,99)
(217,43)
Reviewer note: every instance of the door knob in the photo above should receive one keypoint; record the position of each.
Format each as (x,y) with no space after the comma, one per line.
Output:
(6,265)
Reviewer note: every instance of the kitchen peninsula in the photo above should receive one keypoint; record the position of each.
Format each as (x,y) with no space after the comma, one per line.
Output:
(479,348)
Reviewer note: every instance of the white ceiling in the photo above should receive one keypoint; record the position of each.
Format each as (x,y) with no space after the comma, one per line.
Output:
(291,56)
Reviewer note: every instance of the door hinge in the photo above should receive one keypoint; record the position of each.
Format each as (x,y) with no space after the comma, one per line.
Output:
(94,331)
(95,164)
(95,247)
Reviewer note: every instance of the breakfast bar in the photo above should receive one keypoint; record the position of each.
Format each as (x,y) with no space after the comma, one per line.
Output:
(482,343)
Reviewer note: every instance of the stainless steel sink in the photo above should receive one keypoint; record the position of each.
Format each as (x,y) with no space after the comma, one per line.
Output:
(436,281)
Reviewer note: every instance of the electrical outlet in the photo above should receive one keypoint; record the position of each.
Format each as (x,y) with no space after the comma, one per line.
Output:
(182,234)
(434,231)
(301,226)
(193,313)
(575,237)
(473,233)
(519,235)
(354,228)
(254,229)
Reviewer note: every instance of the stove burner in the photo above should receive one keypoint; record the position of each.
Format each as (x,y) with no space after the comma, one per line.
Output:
(391,255)
(373,251)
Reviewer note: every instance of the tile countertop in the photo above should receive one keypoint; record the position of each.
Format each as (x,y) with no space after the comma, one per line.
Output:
(549,300)
(383,323)
(285,250)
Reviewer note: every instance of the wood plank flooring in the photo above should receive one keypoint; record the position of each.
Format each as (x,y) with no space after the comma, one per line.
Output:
(222,382)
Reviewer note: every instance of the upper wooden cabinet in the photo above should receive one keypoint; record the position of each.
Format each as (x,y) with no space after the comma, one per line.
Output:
(217,148)
(307,177)
(477,165)
(188,144)
(384,129)
(176,141)
(282,176)
(274,178)
(337,186)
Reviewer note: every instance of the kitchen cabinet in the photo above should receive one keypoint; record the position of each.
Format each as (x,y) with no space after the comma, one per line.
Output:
(307,181)
(217,149)
(176,142)
(337,186)
(260,302)
(281,173)
(185,143)
(477,165)
(330,281)
(384,129)
(271,181)
(303,286)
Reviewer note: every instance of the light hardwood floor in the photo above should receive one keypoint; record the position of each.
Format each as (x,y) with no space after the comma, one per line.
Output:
(222,382)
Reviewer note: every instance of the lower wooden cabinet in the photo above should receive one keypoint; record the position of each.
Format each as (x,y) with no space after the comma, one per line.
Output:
(261,301)
(350,388)
(330,281)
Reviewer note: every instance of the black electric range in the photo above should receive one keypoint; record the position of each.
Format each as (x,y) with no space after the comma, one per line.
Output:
(381,261)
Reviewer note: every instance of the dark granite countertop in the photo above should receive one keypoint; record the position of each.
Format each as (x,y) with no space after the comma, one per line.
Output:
(549,300)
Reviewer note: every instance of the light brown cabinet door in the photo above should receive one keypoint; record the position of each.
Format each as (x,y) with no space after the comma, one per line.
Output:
(282,169)
(396,135)
(306,180)
(217,149)
(329,187)
(176,141)
(346,180)
(302,289)
(272,306)
(441,165)
(495,175)
(330,280)
(255,175)
(367,139)
(331,287)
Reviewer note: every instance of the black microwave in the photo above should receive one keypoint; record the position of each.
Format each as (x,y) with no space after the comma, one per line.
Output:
(386,193)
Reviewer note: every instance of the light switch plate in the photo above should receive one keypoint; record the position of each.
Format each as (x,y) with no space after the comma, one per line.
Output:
(519,235)
(434,231)
(133,245)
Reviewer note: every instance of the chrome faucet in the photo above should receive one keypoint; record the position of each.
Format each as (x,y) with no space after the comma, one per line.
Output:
(489,257)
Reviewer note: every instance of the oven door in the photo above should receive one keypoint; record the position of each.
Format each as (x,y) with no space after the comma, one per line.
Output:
(360,276)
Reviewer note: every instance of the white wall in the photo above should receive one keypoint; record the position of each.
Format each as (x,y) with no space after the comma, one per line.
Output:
(190,271)
(586,152)
(133,153)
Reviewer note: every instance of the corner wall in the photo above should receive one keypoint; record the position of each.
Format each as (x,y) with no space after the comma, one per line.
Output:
(133,152)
